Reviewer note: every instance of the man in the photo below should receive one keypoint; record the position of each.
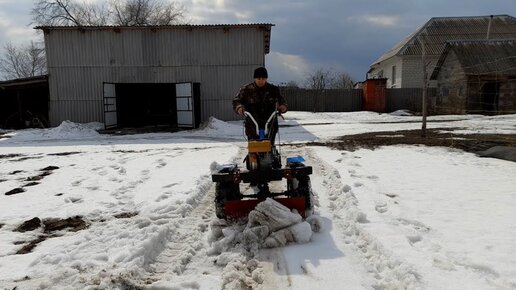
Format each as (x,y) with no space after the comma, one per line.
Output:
(259,98)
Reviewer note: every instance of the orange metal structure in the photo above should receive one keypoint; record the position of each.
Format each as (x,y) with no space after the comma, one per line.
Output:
(375,95)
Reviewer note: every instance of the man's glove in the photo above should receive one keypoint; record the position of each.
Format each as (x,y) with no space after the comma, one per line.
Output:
(240,110)
(282,109)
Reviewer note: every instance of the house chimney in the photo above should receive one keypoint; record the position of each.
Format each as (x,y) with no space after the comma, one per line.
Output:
(489,27)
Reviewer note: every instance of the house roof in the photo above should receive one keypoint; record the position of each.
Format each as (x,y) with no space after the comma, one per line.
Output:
(266,27)
(482,57)
(439,30)
(24,81)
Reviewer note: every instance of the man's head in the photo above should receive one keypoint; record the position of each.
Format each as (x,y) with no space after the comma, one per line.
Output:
(260,76)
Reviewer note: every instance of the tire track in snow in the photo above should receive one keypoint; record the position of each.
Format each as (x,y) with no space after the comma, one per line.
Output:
(388,271)
(276,271)
(186,238)
(188,235)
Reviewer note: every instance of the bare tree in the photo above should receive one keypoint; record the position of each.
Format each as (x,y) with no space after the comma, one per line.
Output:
(318,81)
(342,81)
(292,85)
(147,12)
(117,12)
(22,61)
(61,12)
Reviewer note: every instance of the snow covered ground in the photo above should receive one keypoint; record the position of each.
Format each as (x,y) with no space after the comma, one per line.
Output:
(396,217)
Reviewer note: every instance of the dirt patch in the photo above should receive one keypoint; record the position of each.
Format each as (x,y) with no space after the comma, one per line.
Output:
(435,137)
(1,225)
(15,172)
(132,151)
(46,171)
(34,178)
(31,184)
(3,180)
(27,158)
(3,156)
(63,153)
(15,191)
(74,223)
(29,225)
(125,215)
(31,245)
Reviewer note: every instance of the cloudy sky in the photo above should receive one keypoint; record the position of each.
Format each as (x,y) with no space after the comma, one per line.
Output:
(342,35)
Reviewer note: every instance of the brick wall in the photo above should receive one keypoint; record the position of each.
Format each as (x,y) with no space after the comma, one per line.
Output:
(507,96)
(452,89)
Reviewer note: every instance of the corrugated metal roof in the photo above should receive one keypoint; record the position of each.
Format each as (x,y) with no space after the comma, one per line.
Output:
(265,26)
(439,30)
(482,57)
(181,26)
(24,81)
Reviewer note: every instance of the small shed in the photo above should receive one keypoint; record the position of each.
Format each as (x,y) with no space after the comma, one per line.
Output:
(374,95)
(476,77)
(24,103)
(177,75)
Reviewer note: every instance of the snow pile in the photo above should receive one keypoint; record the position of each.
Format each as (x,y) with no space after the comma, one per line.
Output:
(401,113)
(66,131)
(242,274)
(269,225)
(272,225)
(214,124)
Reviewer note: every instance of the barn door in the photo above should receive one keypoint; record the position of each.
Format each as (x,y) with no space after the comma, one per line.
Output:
(185,105)
(110,113)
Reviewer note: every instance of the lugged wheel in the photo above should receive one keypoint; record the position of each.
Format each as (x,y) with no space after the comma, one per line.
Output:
(301,187)
(225,191)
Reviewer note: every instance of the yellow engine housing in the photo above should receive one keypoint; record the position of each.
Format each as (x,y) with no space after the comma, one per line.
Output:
(259,146)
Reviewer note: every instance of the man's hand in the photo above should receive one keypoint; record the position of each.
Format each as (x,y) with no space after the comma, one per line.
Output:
(240,110)
(282,109)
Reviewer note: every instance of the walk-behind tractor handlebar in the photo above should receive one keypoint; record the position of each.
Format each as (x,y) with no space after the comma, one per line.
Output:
(262,133)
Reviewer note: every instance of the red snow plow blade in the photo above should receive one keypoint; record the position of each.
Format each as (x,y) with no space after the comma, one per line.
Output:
(236,209)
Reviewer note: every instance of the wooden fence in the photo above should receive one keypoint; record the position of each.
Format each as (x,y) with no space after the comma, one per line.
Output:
(323,101)
(351,100)
(407,98)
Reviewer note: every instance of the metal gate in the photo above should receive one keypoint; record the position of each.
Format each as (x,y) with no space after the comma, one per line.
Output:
(110,113)
(185,105)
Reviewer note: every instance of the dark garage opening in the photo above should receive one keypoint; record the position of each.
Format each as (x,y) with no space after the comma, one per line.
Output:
(144,104)
(490,92)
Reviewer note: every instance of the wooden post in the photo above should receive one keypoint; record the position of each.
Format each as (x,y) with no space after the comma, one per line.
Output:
(425,86)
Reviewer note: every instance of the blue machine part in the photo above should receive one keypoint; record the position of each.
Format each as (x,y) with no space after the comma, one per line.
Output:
(297,159)
(228,167)
(262,134)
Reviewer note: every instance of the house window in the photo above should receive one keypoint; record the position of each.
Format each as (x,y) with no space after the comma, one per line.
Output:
(393,78)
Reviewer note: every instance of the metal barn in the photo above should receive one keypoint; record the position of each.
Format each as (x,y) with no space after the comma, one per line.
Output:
(155,75)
